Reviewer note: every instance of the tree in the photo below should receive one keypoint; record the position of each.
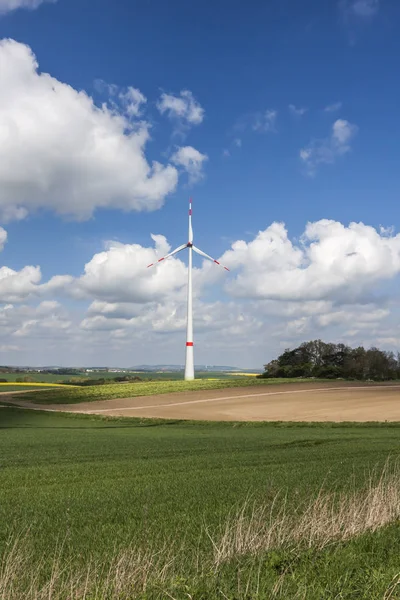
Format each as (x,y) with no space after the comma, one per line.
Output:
(331,361)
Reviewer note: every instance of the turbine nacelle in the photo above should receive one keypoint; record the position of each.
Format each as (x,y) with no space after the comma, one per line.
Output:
(191,247)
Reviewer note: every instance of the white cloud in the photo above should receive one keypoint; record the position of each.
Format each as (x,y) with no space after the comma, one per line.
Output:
(191,160)
(183,109)
(326,151)
(59,151)
(265,122)
(329,284)
(10,5)
(333,107)
(120,274)
(3,238)
(297,112)
(357,317)
(46,320)
(17,285)
(331,262)
(170,317)
(237,142)
(127,101)
(342,133)
(132,99)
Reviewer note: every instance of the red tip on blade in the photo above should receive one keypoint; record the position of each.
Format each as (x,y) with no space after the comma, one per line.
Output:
(150,265)
(189,343)
(190,212)
(226,269)
(163,258)
(216,262)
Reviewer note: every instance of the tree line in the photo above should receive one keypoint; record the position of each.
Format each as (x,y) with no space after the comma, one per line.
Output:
(331,361)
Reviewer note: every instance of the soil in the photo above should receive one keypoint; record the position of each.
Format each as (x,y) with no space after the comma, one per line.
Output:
(336,401)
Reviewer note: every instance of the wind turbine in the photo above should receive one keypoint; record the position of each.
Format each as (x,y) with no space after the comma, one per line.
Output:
(189,364)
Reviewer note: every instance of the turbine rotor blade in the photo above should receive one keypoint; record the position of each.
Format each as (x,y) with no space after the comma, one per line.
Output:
(209,257)
(168,255)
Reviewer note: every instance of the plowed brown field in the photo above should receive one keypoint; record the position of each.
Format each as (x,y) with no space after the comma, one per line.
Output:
(291,402)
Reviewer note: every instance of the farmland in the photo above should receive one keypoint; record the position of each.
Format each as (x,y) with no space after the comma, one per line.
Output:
(147,388)
(40,377)
(156,496)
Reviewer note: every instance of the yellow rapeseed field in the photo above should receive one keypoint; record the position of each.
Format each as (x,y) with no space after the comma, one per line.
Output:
(244,374)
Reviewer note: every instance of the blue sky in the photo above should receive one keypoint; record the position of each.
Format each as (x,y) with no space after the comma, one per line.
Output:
(278,112)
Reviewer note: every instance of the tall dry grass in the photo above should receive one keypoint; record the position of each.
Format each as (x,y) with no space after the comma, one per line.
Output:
(330,517)
(152,571)
(127,575)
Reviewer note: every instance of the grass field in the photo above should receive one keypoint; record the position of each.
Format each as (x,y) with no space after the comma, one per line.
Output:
(153,375)
(147,500)
(145,388)
(22,387)
(15,386)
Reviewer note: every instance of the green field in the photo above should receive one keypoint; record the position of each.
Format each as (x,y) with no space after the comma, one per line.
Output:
(145,388)
(5,387)
(80,490)
(153,375)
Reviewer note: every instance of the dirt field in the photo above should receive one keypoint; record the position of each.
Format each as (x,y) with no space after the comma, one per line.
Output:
(293,402)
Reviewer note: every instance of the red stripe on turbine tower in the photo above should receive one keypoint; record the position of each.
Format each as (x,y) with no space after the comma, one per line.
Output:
(189,343)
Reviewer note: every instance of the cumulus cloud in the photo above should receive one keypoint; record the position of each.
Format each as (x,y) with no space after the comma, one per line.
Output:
(59,151)
(327,150)
(120,274)
(191,160)
(10,5)
(48,320)
(332,261)
(170,318)
(297,111)
(16,286)
(184,110)
(326,284)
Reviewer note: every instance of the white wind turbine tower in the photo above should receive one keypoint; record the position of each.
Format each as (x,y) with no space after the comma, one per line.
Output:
(189,364)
